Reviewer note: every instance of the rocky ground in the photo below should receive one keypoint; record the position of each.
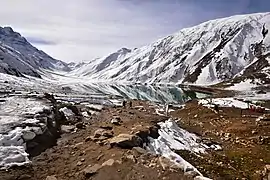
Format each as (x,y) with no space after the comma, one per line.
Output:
(108,146)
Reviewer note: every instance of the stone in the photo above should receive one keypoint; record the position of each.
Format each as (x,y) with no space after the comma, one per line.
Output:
(79,163)
(131,157)
(51,178)
(91,170)
(106,126)
(109,162)
(126,141)
(191,174)
(201,178)
(88,138)
(165,163)
(25,177)
(139,150)
(28,135)
(227,135)
(103,132)
(80,125)
(152,165)
(254,132)
(100,156)
(115,121)
(67,128)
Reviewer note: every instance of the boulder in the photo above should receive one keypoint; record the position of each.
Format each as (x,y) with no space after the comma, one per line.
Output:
(67,128)
(139,150)
(28,135)
(126,141)
(110,162)
(91,170)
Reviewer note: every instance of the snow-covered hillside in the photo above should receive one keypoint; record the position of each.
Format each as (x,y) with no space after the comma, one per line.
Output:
(209,53)
(18,56)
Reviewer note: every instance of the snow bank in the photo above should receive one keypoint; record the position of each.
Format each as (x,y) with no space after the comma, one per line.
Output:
(172,137)
(242,86)
(17,126)
(223,102)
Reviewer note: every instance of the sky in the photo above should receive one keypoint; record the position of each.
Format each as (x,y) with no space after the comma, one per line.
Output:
(82,30)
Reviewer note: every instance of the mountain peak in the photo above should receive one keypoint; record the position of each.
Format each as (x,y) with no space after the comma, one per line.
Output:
(124,50)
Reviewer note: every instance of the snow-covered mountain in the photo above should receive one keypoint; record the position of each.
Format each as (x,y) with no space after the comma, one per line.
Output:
(219,50)
(209,53)
(18,56)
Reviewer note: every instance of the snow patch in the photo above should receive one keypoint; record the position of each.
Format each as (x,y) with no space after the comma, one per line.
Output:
(223,102)
(172,137)
(243,86)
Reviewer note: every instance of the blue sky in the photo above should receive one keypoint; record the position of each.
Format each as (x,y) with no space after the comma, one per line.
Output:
(85,29)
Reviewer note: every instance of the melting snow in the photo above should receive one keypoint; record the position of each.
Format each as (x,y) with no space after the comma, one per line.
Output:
(172,137)
(13,133)
(224,102)
(242,86)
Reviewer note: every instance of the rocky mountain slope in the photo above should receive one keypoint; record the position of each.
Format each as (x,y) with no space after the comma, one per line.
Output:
(18,56)
(212,52)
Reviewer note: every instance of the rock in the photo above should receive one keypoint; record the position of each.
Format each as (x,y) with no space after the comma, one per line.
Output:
(115,121)
(106,126)
(191,174)
(51,178)
(100,156)
(103,132)
(152,165)
(110,162)
(154,131)
(79,163)
(91,170)
(117,118)
(80,125)
(126,141)
(67,128)
(165,163)
(131,157)
(266,172)
(25,177)
(244,122)
(227,135)
(28,135)
(88,138)
(139,150)
(201,178)
(86,114)
(254,132)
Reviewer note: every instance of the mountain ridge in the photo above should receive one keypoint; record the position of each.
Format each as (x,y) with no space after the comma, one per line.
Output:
(212,52)
(18,57)
(223,47)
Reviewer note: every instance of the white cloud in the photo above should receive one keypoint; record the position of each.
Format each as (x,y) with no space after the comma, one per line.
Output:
(86,29)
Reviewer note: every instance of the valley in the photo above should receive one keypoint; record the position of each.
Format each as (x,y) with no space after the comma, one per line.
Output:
(192,105)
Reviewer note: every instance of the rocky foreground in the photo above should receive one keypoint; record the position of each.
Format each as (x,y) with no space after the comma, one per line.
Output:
(110,143)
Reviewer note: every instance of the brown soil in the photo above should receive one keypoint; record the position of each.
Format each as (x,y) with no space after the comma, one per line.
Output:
(243,154)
